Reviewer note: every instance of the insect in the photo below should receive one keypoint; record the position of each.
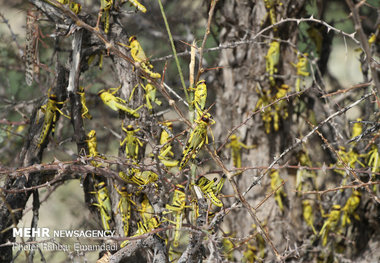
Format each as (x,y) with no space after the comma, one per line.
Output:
(198,137)
(105,6)
(373,160)
(116,103)
(331,223)
(104,204)
(270,5)
(92,147)
(279,195)
(144,177)
(132,143)
(138,177)
(350,158)
(200,95)
(177,208)
(263,101)
(357,128)
(75,7)
(166,150)
(302,71)
(280,108)
(51,110)
(272,59)
(138,5)
(304,175)
(236,145)
(228,249)
(211,189)
(85,113)
(307,211)
(139,56)
(143,228)
(31,46)
(124,207)
(149,220)
(150,95)
(349,208)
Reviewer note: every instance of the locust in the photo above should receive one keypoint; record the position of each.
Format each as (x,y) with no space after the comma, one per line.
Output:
(198,137)
(116,103)
(85,112)
(149,220)
(105,6)
(166,151)
(200,95)
(138,177)
(138,5)
(124,207)
(236,145)
(331,223)
(177,207)
(150,95)
(349,208)
(104,204)
(307,211)
(263,102)
(280,108)
(302,71)
(275,182)
(270,5)
(139,56)
(132,143)
(373,160)
(211,189)
(51,110)
(357,128)
(74,7)
(272,59)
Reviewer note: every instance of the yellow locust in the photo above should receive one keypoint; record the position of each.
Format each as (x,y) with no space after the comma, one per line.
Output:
(150,95)
(85,113)
(124,207)
(302,71)
(330,224)
(198,137)
(275,182)
(105,6)
(138,5)
(272,59)
(166,151)
(132,143)
(200,95)
(211,189)
(307,211)
(349,208)
(116,103)
(236,145)
(139,56)
(177,208)
(104,204)
(51,110)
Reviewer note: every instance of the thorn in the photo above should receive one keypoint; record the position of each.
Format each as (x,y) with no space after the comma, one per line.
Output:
(312,17)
